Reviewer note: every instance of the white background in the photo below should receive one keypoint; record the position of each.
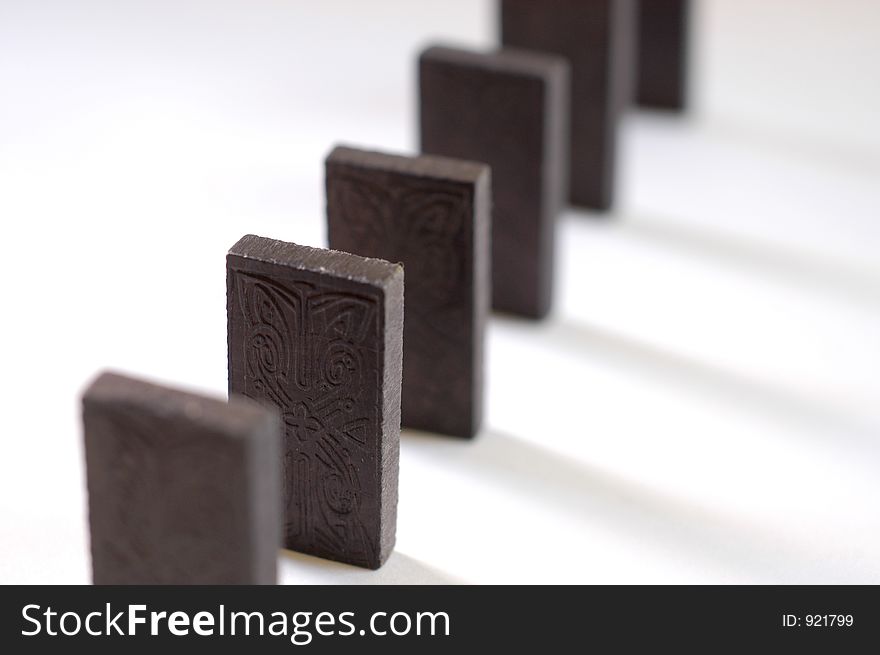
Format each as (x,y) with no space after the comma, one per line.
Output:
(701,407)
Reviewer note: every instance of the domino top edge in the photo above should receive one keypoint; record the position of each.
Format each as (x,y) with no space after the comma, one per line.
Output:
(432,166)
(514,61)
(366,270)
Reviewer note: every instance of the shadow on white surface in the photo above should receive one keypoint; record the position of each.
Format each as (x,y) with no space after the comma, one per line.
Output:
(840,279)
(809,415)
(602,500)
(854,159)
(296,568)
(806,147)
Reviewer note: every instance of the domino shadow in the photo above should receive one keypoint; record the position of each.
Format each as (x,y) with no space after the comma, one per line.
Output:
(808,415)
(400,569)
(838,279)
(679,529)
(848,157)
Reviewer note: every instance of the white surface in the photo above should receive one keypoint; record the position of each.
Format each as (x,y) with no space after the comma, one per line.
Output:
(702,407)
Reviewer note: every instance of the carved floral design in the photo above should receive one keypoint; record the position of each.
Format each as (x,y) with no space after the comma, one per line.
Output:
(312,353)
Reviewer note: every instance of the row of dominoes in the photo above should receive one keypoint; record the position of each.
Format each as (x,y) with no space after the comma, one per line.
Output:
(325,364)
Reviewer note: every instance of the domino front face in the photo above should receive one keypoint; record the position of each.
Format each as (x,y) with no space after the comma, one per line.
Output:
(509,110)
(182,489)
(318,333)
(432,214)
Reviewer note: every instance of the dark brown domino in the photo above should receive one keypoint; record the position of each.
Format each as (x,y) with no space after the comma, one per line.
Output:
(508,109)
(432,214)
(663,53)
(182,489)
(319,334)
(597,37)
